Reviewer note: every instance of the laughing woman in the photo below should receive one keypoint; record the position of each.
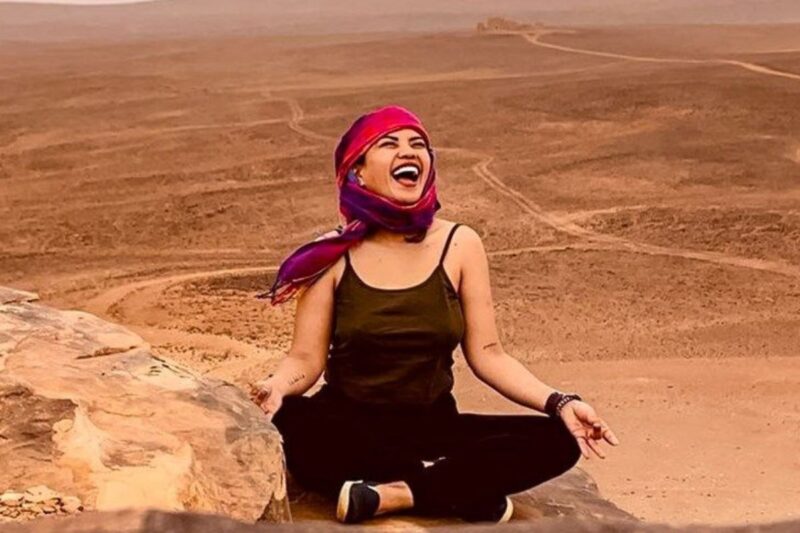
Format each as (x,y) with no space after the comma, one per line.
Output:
(383,302)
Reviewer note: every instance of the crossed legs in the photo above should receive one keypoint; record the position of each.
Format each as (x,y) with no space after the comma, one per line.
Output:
(474,457)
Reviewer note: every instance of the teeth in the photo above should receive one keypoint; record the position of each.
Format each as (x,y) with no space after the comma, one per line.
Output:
(410,170)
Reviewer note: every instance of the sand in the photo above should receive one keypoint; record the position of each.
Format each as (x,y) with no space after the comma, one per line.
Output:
(637,192)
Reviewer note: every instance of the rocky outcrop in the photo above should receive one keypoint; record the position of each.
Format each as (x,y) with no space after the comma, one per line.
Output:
(91,418)
(500,24)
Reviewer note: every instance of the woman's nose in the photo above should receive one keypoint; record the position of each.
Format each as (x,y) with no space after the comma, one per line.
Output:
(406,151)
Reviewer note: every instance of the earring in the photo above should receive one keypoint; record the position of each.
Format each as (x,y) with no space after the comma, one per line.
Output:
(360,179)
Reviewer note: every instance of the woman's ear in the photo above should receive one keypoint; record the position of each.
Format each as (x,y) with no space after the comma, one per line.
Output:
(355,176)
(357,172)
(357,167)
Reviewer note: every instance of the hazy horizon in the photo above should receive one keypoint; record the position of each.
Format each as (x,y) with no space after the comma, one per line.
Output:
(115,20)
(76,3)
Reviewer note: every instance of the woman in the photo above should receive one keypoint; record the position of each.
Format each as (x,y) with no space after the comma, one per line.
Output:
(384,302)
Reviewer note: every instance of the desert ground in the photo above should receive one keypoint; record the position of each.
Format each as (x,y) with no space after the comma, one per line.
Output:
(638,191)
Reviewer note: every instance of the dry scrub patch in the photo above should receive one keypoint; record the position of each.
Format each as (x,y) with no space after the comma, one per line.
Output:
(743,232)
(576,305)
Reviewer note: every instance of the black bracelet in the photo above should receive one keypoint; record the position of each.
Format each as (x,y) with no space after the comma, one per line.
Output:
(556,401)
(551,403)
(565,400)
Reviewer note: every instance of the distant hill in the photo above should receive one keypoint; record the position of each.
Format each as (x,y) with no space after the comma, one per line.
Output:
(180,18)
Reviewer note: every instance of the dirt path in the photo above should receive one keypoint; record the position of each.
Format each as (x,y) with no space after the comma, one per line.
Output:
(130,302)
(565,224)
(102,304)
(434,78)
(535,39)
(297,116)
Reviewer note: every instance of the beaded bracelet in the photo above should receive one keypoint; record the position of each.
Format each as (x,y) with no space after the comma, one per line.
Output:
(566,399)
(557,400)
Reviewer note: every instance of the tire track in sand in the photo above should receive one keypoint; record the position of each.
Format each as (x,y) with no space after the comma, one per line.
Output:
(565,224)
(103,302)
(142,295)
(535,39)
(148,290)
(117,303)
(297,116)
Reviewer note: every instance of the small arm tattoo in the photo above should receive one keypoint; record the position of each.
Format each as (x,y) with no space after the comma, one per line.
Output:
(489,345)
(297,378)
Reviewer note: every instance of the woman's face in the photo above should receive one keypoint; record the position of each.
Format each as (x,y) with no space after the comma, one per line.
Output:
(396,166)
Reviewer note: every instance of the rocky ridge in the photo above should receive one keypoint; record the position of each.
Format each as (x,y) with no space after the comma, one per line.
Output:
(91,417)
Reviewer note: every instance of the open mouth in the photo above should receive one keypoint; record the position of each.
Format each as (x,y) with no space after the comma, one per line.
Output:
(407,174)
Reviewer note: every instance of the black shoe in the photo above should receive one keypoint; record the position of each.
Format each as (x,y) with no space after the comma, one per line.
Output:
(497,512)
(358,501)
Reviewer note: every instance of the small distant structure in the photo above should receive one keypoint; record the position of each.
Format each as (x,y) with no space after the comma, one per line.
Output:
(503,25)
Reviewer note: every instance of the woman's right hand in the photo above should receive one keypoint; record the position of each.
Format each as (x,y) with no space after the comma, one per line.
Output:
(267,395)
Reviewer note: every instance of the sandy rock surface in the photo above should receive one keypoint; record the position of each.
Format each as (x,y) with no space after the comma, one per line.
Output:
(36,502)
(89,416)
(143,521)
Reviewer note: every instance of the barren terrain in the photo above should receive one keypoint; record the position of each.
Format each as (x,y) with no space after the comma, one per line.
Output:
(638,190)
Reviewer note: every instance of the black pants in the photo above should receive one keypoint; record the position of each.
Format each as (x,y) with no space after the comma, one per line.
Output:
(329,439)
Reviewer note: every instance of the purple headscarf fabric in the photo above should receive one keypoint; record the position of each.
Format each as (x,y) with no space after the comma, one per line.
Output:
(361,208)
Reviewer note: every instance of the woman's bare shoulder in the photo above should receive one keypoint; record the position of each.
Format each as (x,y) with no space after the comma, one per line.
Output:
(466,248)
(465,239)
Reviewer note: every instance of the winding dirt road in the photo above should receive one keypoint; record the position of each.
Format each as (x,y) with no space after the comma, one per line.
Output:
(600,241)
(535,39)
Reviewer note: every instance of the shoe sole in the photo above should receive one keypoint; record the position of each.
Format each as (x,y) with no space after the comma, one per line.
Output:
(343,504)
(509,511)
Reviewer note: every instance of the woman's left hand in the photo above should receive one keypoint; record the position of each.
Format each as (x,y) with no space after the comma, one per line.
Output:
(588,428)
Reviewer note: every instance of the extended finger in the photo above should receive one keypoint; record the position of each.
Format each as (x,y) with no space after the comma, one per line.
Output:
(582,444)
(609,436)
(595,446)
(604,432)
(592,418)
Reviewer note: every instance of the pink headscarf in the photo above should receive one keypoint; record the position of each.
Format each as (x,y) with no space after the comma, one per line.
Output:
(361,208)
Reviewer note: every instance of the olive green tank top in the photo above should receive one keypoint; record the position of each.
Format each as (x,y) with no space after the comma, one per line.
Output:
(395,346)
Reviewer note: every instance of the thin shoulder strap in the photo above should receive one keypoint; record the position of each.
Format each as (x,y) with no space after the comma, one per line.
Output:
(447,242)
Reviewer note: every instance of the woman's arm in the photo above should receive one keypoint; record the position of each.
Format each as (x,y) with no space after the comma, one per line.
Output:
(492,365)
(481,345)
(306,359)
